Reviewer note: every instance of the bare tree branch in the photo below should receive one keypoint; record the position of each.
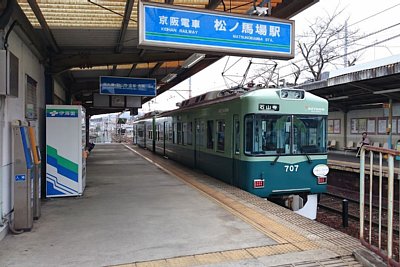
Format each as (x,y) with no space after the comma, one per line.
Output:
(321,44)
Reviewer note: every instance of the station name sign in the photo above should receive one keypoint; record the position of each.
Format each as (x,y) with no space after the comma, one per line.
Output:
(198,30)
(111,85)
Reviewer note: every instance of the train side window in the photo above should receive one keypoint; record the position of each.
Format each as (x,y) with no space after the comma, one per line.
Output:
(179,132)
(237,137)
(174,133)
(184,133)
(189,133)
(202,133)
(221,136)
(170,132)
(210,136)
(249,134)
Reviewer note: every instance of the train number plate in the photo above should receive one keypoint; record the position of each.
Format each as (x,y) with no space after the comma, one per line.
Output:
(291,168)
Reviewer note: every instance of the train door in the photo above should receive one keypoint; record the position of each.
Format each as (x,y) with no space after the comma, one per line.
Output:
(144,134)
(165,136)
(134,138)
(196,141)
(236,151)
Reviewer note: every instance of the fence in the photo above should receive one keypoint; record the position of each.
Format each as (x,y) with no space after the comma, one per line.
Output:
(380,234)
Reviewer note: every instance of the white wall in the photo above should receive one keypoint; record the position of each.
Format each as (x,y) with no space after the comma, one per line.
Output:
(362,114)
(12,108)
(365,114)
(339,137)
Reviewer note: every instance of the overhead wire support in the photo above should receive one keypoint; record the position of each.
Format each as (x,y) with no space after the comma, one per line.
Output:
(109,9)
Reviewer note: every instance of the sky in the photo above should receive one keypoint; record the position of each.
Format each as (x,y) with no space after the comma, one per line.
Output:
(366,16)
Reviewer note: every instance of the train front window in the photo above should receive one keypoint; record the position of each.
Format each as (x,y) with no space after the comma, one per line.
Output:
(309,134)
(284,134)
(267,135)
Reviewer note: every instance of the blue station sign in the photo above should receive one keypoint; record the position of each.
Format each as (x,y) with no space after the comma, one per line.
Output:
(198,30)
(127,86)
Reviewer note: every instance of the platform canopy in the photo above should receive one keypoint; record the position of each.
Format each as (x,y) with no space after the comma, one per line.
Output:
(364,86)
(81,40)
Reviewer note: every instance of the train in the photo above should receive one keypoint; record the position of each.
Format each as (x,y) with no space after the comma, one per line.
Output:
(269,142)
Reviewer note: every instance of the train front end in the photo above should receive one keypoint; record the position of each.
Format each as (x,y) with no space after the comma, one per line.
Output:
(285,137)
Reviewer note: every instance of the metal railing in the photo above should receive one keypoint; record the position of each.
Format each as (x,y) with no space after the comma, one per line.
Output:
(375,222)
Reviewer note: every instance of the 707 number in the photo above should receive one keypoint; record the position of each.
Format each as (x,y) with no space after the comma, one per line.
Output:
(291,168)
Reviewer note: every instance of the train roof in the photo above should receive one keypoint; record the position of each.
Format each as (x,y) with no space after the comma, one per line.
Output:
(229,94)
(148,115)
(214,97)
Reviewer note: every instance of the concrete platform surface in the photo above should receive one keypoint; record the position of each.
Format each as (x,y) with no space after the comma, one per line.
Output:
(131,211)
(145,210)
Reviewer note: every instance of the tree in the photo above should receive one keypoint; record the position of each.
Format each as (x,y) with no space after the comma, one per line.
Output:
(323,44)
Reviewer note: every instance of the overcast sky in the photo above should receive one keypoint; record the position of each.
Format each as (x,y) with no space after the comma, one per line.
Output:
(368,16)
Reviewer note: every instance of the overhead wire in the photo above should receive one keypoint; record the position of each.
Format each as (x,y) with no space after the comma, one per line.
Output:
(355,40)
(342,45)
(373,15)
(352,52)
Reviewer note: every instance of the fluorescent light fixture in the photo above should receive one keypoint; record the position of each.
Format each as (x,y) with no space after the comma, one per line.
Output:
(387,91)
(89,102)
(192,60)
(169,77)
(338,98)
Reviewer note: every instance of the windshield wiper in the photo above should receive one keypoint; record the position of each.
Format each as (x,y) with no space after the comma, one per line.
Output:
(277,157)
(308,157)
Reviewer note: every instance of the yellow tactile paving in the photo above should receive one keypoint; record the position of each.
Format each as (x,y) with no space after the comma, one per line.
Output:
(211,258)
(272,250)
(306,245)
(127,265)
(235,255)
(217,257)
(182,261)
(157,263)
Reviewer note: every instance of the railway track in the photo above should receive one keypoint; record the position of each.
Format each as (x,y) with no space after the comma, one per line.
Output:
(333,203)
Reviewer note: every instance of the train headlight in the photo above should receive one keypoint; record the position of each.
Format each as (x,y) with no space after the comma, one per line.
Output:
(292,94)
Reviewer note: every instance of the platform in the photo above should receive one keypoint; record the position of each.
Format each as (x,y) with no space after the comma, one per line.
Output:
(144,210)
(347,161)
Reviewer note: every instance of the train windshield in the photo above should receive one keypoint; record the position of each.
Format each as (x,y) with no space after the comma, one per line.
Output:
(285,134)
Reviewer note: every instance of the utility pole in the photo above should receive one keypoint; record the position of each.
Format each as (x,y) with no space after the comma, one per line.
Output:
(190,87)
(346,44)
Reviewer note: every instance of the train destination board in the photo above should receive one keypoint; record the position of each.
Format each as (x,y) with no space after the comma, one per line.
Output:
(185,28)
(273,107)
(111,85)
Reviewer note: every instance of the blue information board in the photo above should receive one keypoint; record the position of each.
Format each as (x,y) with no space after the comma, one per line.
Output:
(127,86)
(215,31)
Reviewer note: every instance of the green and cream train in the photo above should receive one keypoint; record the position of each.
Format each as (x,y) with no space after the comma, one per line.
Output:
(269,142)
